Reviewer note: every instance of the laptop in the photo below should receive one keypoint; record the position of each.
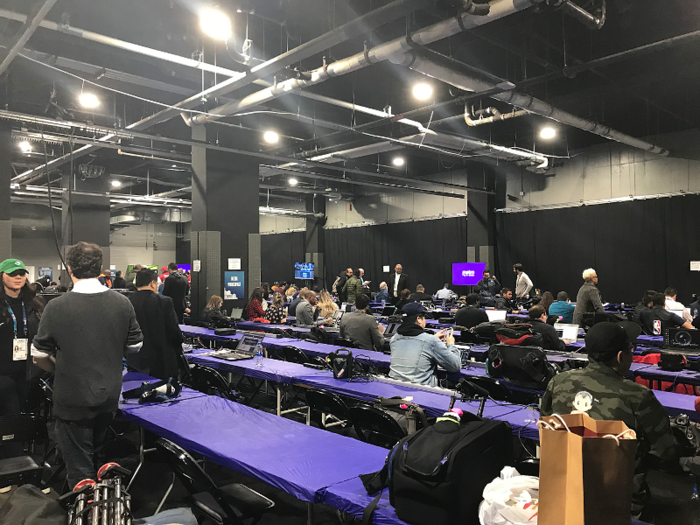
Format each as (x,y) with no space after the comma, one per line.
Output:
(496,315)
(567,332)
(680,312)
(388,311)
(236,314)
(245,349)
(390,330)
(335,327)
(682,339)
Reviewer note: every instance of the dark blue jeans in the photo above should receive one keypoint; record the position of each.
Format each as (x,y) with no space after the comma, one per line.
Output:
(77,441)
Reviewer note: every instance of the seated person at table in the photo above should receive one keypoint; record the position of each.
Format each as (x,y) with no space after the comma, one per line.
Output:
(328,307)
(488,286)
(470,315)
(361,328)
(642,313)
(305,311)
(605,394)
(563,308)
(254,309)
(275,312)
(505,301)
(671,304)
(445,294)
(415,354)
(404,298)
(292,309)
(212,316)
(538,320)
(668,319)
(420,294)
(383,294)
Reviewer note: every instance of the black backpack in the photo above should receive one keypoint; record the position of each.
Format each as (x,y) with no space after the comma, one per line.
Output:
(316,335)
(437,475)
(525,366)
(518,335)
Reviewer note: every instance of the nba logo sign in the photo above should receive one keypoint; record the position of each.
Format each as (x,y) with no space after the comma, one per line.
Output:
(657,327)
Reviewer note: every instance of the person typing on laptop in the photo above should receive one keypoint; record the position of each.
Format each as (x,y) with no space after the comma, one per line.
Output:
(676,307)
(538,320)
(361,328)
(471,315)
(305,311)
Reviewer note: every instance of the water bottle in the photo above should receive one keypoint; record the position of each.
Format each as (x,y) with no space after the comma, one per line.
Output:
(695,313)
(384,304)
(259,355)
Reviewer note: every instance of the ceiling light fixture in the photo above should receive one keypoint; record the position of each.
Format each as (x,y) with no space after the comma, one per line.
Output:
(398,161)
(89,100)
(422,91)
(271,137)
(548,133)
(25,147)
(293,182)
(116,184)
(216,24)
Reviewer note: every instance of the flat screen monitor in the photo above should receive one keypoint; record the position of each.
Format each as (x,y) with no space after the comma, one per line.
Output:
(467,274)
(567,332)
(679,312)
(185,267)
(337,316)
(304,270)
(496,315)
(248,342)
(391,330)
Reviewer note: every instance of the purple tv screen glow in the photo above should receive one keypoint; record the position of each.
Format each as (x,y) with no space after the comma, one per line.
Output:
(467,274)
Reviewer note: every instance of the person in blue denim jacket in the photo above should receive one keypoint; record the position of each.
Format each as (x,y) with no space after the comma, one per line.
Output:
(416,354)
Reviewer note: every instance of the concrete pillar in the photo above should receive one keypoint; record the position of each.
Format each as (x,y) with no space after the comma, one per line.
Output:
(481,221)
(225,215)
(5,180)
(314,241)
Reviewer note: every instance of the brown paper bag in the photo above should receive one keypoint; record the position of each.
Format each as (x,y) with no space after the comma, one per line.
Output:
(586,471)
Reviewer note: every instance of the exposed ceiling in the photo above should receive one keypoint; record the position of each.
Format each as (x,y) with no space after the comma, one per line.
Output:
(541,51)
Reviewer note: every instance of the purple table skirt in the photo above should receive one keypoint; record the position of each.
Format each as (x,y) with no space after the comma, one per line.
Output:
(283,453)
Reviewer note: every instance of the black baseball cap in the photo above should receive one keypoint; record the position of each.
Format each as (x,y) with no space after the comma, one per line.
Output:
(610,338)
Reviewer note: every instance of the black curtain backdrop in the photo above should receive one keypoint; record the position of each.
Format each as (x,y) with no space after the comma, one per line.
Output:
(634,246)
(426,249)
(278,253)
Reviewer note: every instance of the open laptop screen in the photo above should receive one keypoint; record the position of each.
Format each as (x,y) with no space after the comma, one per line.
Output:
(249,341)
(567,332)
(391,329)
(496,315)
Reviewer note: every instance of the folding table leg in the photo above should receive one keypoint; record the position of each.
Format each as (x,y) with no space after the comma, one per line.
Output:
(165,496)
(142,454)
(310,514)
(279,401)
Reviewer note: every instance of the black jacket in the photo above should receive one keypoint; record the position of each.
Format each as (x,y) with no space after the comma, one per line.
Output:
(644,317)
(550,339)
(421,296)
(502,303)
(470,316)
(403,284)
(17,370)
(161,335)
(214,318)
(119,283)
(176,287)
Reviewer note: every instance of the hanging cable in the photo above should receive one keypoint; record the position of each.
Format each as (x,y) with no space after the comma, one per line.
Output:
(53,220)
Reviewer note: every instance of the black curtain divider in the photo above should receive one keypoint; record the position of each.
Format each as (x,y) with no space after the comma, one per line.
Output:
(278,253)
(634,246)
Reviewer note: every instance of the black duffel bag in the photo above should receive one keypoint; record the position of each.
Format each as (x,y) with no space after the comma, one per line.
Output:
(437,475)
(525,366)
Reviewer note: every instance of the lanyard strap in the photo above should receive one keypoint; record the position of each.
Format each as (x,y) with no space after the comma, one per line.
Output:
(14,319)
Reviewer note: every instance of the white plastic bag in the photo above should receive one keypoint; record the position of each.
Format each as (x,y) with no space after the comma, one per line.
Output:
(510,499)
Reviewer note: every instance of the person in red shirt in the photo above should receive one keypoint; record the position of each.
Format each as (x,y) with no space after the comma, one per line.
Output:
(254,309)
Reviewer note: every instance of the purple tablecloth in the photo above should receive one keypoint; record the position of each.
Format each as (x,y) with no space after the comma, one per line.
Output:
(131,380)
(299,459)
(271,369)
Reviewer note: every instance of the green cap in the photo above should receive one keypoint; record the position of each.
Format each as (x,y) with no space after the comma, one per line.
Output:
(11,265)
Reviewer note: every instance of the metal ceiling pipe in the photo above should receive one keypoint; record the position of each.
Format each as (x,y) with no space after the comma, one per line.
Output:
(395,48)
(496,116)
(26,33)
(579,13)
(448,74)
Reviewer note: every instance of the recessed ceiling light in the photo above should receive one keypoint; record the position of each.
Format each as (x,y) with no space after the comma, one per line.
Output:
(422,91)
(25,147)
(89,100)
(293,182)
(216,24)
(116,184)
(548,133)
(271,137)
(398,161)
(174,166)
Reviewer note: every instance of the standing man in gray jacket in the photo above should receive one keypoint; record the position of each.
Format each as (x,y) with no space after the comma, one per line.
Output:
(361,328)
(588,299)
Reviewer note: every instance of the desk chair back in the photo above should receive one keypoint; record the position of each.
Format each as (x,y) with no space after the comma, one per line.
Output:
(375,426)
(209,381)
(494,387)
(184,367)
(22,429)
(327,403)
(345,343)
(293,354)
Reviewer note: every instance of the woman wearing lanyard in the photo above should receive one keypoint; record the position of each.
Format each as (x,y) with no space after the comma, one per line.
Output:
(20,310)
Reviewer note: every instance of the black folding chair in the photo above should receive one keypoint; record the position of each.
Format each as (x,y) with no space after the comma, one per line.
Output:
(23,429)
(184,367)
(346,343)
(329,405)
(209,381)
(227,505)
(293,354)
(375,426)
(495,388)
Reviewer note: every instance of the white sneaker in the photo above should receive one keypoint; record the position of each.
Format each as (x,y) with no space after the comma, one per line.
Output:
(5,490)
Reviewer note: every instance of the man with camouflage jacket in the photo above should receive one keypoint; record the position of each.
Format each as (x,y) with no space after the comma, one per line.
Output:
(603,392)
